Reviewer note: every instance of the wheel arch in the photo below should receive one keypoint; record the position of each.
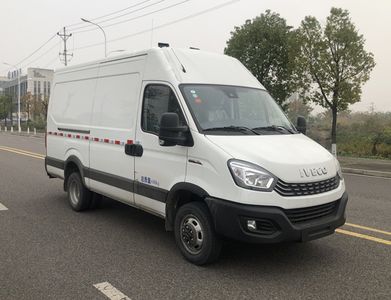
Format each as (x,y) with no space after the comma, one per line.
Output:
(179,194)
(72,163)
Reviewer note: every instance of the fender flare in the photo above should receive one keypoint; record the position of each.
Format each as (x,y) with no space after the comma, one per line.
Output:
(74,159)
(171,200)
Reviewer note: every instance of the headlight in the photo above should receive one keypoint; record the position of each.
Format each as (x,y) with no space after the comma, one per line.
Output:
(339,170)
(250,176)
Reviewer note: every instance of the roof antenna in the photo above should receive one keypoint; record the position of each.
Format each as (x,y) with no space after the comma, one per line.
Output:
(183,68)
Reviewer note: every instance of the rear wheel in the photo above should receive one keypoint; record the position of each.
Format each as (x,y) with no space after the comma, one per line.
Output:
(96,200)
(195,235)
(78,195)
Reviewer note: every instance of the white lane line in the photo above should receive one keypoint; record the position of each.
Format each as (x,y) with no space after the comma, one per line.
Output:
(110,292)
(2,207)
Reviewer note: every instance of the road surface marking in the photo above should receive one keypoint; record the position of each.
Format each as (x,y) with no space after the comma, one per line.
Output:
(363,236)
(368,228)
(110,292)
(2,207)
(22,152)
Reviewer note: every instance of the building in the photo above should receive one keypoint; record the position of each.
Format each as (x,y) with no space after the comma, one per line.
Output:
(3,82)
(37,82)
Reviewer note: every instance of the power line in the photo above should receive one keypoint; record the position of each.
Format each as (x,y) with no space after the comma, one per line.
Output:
(116,17)
(43,54)
(35,51)
(163,25)
(64,36)
(110,14)
(54,35)
(138,17)
(50,62)
(123,21)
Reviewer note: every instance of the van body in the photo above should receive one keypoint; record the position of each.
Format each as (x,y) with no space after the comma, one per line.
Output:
(194,138)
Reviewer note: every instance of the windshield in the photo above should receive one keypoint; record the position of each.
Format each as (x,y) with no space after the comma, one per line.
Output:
(220,109)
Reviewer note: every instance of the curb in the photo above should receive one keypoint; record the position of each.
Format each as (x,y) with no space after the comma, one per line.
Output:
(38,135)
(367,172)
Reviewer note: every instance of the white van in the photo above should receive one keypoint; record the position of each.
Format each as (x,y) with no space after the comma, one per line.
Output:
(194,138)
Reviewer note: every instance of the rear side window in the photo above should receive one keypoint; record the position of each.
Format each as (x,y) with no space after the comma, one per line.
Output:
(158,99)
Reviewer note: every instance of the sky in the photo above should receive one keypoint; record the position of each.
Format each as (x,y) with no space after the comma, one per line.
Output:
(25,25)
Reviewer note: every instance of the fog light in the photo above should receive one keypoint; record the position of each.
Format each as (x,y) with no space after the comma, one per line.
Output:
(251,225)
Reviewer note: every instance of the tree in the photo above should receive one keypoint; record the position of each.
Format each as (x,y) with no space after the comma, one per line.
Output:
(381,137)
(5,107)
(377,130)
(36,107)
(28,101)
(334,64)
(297,107)
(267,47)
(44,106)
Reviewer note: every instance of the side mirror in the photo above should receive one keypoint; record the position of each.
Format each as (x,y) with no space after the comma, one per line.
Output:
(301,124)
(171,134)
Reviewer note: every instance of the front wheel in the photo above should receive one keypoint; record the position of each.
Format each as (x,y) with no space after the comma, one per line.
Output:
(195,235)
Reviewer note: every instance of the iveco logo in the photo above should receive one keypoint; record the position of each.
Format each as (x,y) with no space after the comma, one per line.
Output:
(308,172)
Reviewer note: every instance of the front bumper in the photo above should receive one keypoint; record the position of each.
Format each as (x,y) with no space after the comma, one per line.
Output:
(275,224)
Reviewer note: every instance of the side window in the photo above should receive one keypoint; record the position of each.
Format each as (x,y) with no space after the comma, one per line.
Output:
(158,99)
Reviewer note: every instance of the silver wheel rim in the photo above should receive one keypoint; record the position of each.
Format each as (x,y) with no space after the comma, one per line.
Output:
(74,193)
(192,235)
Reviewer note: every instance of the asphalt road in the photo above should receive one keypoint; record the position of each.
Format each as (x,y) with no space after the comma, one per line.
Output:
(47,251)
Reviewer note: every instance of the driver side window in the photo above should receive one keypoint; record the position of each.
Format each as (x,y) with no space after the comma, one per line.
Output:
(158,99)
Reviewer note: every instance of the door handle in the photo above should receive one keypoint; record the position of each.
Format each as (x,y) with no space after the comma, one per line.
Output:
(134,149)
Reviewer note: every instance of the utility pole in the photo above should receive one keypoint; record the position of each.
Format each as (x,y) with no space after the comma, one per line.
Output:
(64,36)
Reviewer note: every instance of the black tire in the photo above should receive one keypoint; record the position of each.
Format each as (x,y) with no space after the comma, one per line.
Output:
(96,201)
(197,242)
(79,197)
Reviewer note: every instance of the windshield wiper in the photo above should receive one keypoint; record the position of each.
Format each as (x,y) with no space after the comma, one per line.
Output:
(232,128)
(276,128)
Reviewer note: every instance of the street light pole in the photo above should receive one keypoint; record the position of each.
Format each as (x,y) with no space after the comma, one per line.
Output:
(17,70)
(19,128)
(104,33)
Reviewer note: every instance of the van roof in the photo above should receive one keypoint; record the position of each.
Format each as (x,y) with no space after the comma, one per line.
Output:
(188,66)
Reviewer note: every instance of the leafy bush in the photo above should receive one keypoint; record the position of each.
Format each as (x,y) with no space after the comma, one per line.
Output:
(359,134)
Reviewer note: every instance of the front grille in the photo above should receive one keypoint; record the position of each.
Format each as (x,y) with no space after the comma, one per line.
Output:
(300,215)
(308,188)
